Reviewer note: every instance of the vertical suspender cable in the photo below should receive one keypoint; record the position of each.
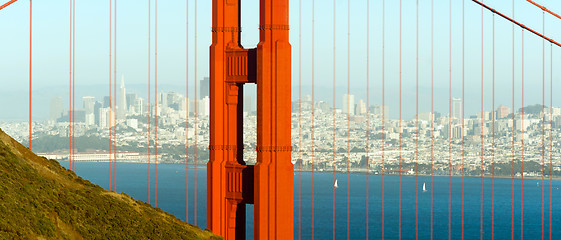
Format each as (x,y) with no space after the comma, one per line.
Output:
(463,107)
(313,116)
(522,156)
(481,139)
(149,108)
(550,135)
(383,113)
(70,87)
(195,125)
(73,82)
(513,133)
(400,32)
(543,120)
(431,120)
(187,111)
(299,119)
(367,108)
(493,144)
(115,102)
(333,144)
(110,118)
(417,123)
(348,113)
(450,130)
(30,68)
(156,103)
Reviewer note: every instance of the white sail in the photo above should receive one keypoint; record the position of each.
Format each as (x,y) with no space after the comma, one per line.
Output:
(424,187)
(335,185)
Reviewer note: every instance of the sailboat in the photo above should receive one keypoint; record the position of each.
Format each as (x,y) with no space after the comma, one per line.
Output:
(335,185)
(424,187)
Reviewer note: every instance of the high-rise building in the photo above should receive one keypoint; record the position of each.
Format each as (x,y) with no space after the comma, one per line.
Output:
(107,102)
(349,104)
(97,106)
(139,106)
(205,86)
(122,101)
(457,108)
(360,108)
(204,107)
(56,108)
(131,100)
(502,112)
(89,103)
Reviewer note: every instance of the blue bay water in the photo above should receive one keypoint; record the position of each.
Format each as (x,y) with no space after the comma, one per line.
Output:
(132,178)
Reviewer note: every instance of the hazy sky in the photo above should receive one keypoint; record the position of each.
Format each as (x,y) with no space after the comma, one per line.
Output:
(51,49)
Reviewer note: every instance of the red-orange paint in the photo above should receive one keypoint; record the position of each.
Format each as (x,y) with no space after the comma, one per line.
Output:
(231,184)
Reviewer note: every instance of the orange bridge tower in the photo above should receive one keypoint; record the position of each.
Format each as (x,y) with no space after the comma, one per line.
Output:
(231,184)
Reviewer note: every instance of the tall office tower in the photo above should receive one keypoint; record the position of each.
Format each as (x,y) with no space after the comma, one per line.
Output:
(106,102)
(56,108)
(248,104)
(131,100)
(502,112)
(122,107)
(139,106)
(89,103)
(163,101)
(349,104)
(204,107)
(97,106)
(360,108)
(457,108)
(103,117)
(205,85)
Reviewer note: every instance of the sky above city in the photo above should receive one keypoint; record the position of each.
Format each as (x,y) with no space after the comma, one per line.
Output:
(51,51)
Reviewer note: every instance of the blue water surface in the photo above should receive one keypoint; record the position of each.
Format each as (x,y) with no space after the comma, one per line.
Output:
(132,178)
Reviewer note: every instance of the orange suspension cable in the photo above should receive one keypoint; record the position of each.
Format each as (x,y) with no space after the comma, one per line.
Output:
(517,23)
(544,9)
(7,4)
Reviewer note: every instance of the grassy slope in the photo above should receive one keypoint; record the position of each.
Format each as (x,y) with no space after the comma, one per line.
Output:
(39,199)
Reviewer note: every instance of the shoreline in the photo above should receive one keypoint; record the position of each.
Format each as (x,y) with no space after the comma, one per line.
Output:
(361,172)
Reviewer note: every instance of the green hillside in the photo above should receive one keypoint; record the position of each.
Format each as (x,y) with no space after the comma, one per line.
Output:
(39,199)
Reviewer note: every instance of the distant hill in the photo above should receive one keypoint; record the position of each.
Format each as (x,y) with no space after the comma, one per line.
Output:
(39,199)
